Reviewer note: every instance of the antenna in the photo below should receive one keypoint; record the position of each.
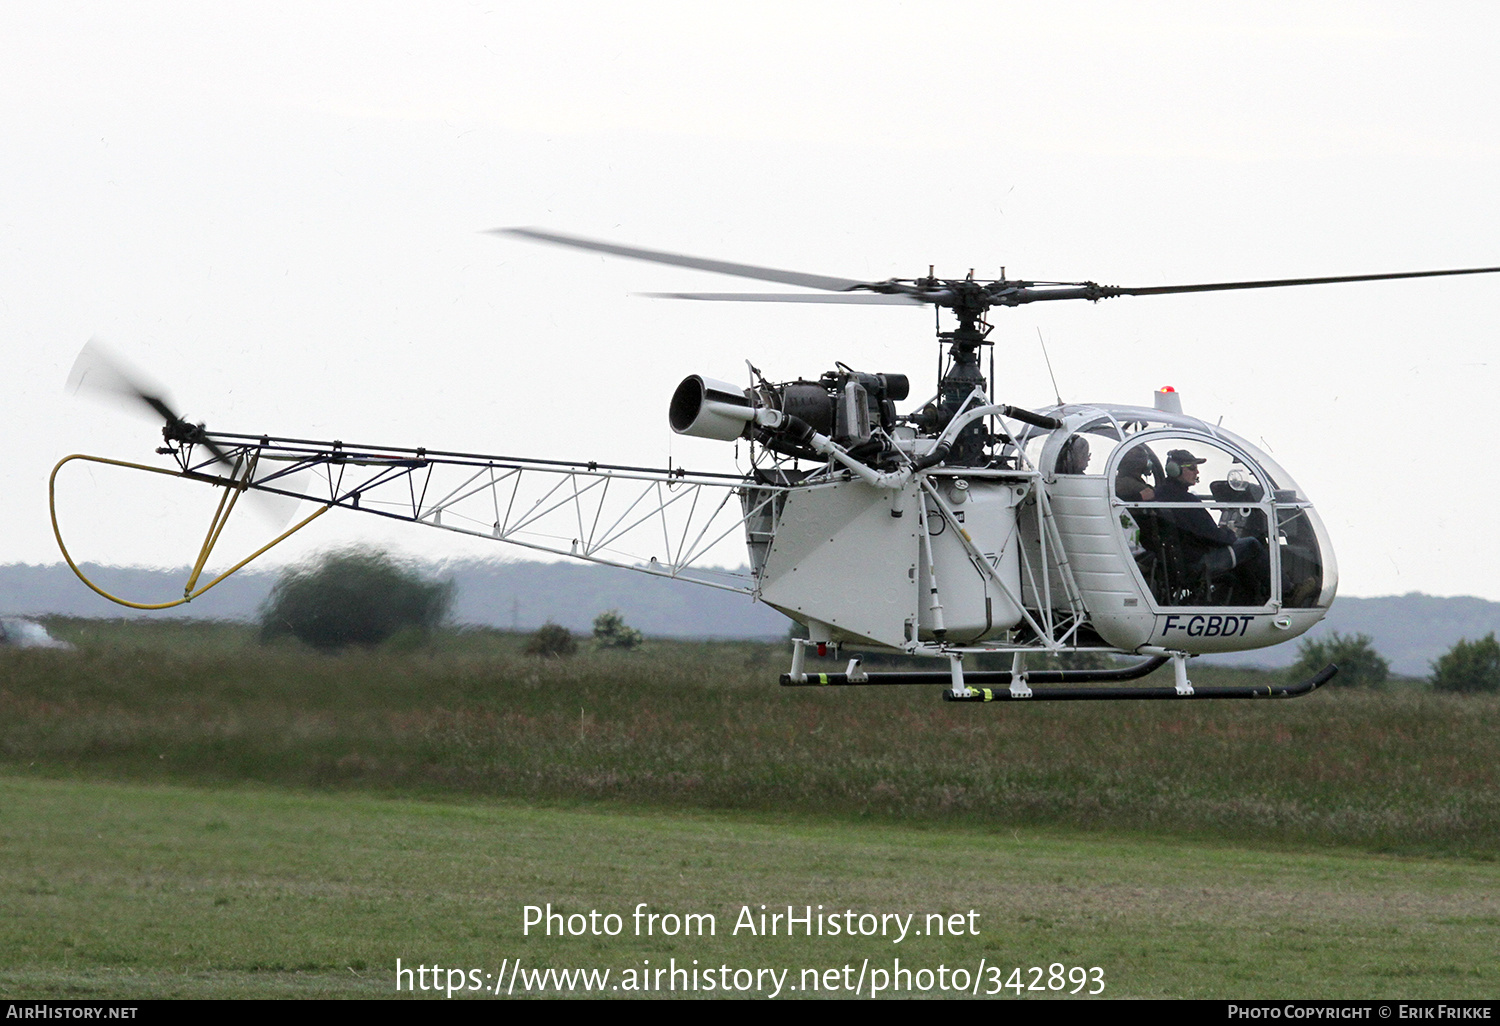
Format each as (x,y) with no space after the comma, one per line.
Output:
(1055,390)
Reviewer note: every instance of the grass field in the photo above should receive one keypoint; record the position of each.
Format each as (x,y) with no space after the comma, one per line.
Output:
(150,891)
(705,726)
(185,811)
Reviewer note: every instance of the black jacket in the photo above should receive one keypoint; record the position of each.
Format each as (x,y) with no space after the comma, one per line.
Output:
(1200,534)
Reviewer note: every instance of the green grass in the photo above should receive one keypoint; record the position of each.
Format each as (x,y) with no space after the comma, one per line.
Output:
(135,891)
(186,812)
(703,726)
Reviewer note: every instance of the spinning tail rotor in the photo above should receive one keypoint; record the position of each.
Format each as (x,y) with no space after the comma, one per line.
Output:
(102,374)
(105,375)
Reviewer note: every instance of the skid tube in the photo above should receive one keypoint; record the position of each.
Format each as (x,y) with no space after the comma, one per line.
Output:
(1065,677)
(1306,687)
(1135,672)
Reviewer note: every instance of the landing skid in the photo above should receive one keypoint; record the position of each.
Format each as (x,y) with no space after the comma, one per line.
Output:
(1018,683)
(1306,687)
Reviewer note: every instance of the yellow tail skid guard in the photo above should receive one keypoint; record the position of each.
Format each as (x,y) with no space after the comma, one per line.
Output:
(233,486)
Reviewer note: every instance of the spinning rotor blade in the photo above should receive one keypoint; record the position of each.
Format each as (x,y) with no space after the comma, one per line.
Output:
(968,298)
(103,373)
(811,281)
(1019,293)
(853,298)
(275,509)
(1221,286)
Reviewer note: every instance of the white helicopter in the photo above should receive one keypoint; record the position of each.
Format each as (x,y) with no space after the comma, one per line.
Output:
(958,528)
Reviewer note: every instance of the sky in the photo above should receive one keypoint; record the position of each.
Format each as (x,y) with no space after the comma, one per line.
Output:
(280,211)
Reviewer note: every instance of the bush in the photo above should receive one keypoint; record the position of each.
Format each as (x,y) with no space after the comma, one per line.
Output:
(353,597)
(1469,666)
(1074,661)
(553,641)
(1354,654)
(610,631)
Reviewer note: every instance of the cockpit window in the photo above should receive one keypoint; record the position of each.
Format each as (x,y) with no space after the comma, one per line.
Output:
(1087,450)
(1216,474)
(1195,516)
(1301,558)
(1283,488)
(1033,444)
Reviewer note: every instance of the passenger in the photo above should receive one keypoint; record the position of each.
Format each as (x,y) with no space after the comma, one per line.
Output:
(1130,480)
(1207,545)
(1074,458)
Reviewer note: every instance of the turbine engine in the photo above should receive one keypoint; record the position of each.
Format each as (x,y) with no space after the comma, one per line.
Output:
(845,405)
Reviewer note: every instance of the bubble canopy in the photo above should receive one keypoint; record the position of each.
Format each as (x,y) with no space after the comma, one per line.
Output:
(1208,519)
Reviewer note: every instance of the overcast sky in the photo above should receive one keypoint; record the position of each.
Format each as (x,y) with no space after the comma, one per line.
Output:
(279,210)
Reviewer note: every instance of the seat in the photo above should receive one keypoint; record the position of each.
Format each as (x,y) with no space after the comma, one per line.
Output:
(1175,577)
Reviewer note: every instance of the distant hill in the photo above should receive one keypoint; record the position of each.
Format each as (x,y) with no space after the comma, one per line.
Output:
(30,590)
(1409,630)
(517,595)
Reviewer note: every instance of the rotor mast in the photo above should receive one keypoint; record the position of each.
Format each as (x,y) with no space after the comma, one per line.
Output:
(970,301)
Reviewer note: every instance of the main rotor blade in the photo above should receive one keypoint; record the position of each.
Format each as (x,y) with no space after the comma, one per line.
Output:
(811,281)
(852,298)
(1221,286)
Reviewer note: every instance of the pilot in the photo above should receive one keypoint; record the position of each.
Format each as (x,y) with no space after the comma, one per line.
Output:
(1207,544)
(1130,479)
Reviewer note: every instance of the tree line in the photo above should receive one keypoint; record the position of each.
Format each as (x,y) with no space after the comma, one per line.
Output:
(1467,667)
(364,597)
(361,597)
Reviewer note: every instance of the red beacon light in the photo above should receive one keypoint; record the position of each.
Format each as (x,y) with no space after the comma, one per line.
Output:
(1168,400)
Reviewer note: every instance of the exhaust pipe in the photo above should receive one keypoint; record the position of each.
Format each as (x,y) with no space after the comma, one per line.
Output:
(705,408)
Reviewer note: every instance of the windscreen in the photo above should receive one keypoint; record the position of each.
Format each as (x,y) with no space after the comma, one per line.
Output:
(1197,519)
